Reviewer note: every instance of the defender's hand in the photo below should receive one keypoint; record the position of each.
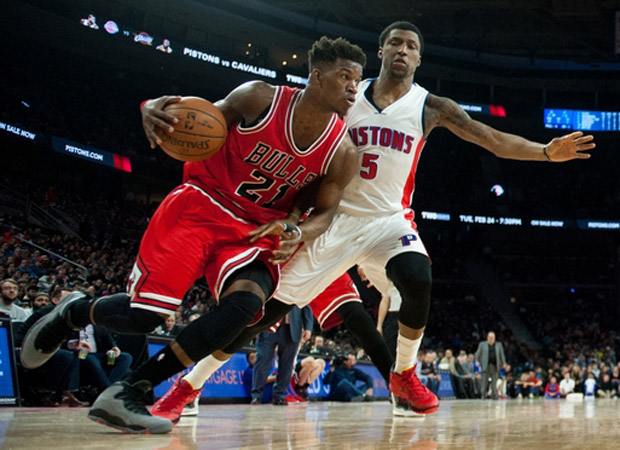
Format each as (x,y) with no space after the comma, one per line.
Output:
(569,147)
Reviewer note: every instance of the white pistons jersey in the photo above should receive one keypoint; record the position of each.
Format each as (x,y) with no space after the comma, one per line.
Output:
(389,143)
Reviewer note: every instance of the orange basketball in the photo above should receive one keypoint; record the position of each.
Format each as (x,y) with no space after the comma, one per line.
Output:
(200,132)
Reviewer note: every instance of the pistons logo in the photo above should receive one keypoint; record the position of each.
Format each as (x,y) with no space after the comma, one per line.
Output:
(407,239)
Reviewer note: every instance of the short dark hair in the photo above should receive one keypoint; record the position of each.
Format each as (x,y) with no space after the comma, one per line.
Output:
(56,290)
(327,50)
(401,25)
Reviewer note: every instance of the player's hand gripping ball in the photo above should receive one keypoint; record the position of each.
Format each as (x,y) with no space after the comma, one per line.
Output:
(199,132)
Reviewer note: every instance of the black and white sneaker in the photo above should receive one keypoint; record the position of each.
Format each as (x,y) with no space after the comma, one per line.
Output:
(46,336)
(122,406)
(400,408)
(191,409)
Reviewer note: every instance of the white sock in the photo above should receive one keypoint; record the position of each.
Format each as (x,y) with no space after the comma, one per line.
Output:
(202,371)
(406,352)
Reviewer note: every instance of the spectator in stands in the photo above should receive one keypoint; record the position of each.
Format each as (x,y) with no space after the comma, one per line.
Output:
(577,377)
(55,382)
(294,330)
(418,368)
(490,355)
(429,371)
(528,385)
(169,328)
(105,363)
(31,292)
(447,360)
(552,390)
(46,282)
(474,367)
(615,378)
(36,270)
(507,388)
(589,385)
(343,377)
(248,374)
(606,388)
(534,384)
(318,347)
(40,300)
(306,372)
(246,378)
(521,386)
(567,385)
(9,289)
(463,382)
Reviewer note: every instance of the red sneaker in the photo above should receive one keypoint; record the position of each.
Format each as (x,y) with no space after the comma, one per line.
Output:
(408,386)
(296,391)
(289,399)
(171,405)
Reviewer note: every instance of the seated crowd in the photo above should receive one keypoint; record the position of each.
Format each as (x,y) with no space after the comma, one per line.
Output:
(581,348)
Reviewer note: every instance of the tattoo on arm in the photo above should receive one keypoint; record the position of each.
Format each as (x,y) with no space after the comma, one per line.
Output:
(447,113)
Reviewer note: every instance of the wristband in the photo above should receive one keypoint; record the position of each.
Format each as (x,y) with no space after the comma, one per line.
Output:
(546,154)
(289,227)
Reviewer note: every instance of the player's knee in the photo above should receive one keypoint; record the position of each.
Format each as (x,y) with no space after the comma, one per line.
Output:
(245,303)
(411,274)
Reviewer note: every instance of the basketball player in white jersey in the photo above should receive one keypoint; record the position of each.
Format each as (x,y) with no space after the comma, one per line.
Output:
(390,122)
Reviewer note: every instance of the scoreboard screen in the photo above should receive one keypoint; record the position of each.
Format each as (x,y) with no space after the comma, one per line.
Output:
(573,119)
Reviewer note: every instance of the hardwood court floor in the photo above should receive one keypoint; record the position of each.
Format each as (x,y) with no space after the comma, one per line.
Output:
(463,424)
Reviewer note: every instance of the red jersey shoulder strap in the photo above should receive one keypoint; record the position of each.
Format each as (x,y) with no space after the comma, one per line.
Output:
(281,99)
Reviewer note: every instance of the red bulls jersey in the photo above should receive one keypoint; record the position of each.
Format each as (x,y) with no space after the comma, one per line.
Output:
(259,170)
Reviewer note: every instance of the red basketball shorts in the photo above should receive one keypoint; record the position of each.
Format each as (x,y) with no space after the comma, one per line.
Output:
(324,306)
(191,235)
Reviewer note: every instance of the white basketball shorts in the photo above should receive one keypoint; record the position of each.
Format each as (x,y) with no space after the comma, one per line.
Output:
(349,240)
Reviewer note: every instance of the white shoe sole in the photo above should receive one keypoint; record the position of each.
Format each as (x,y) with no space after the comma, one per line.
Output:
(400,411)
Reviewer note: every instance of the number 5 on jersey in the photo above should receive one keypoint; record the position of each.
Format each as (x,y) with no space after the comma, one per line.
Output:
(369,166)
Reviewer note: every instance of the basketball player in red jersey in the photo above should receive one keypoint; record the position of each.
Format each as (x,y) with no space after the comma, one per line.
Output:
(232,220)
(390,122)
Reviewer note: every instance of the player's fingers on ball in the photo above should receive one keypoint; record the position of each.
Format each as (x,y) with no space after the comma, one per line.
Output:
(166,117)
(162,124)
(151,137)
(173,99)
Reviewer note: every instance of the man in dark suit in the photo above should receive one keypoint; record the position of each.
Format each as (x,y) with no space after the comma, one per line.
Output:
(295,329)
(490,355)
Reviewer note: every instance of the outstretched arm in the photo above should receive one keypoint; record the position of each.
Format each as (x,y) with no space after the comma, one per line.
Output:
(443,112)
